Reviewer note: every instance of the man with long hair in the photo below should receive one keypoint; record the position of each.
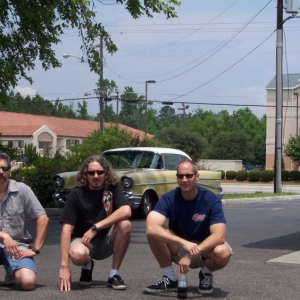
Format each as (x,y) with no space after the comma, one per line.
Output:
(95,224)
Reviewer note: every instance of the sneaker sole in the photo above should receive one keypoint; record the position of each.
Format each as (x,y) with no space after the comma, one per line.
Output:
(116,287)
(150,291)
(205,291)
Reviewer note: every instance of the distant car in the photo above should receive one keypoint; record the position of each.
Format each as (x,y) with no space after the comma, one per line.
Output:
(145,173)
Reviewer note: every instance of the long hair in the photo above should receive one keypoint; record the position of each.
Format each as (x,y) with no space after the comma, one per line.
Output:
(6,157)
(110,176)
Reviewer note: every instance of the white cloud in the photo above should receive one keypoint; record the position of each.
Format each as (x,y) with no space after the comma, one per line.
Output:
(25,91)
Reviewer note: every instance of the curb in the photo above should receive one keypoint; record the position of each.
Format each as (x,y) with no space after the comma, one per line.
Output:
(260,200)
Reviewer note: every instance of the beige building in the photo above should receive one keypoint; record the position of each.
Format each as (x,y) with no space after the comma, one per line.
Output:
(50,133)
(290,117)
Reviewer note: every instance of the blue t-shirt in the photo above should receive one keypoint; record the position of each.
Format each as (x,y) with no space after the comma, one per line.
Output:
(191,219)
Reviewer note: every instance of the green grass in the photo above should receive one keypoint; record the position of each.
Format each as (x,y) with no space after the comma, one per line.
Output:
(256,195)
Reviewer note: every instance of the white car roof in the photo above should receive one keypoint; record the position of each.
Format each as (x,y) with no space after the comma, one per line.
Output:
(159,150)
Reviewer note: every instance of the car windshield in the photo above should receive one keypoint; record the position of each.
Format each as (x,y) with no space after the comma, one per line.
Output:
(134,159)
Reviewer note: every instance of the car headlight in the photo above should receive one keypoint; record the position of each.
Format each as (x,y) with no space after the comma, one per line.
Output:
(59,182)
(127,182)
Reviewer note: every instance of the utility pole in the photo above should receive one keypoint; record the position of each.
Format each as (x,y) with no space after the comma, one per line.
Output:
(184,107)
(101,102)
(278,116)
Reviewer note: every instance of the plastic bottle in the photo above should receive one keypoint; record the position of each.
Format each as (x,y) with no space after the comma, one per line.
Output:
(182,287)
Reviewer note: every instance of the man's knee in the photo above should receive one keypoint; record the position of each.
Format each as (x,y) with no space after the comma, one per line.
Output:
(25,279)
(123,226)
(79,254)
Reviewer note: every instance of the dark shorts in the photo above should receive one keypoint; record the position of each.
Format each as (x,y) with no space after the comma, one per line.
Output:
(100,247)
(16,264)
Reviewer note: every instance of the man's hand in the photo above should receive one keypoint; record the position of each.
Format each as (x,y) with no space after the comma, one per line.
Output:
(11,247)
(22,253)
(192,248)
(87,237)
(184,264)
(65,279)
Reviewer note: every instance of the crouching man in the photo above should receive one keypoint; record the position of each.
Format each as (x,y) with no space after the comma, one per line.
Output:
(17,247)
(195,235)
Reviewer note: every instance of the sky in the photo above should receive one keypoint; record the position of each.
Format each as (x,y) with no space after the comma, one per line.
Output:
(217,55)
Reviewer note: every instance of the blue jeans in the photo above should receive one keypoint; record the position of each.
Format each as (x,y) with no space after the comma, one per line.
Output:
(16,264)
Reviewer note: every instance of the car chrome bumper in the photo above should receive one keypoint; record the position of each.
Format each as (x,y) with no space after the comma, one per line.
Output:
(59,199)
(134,201)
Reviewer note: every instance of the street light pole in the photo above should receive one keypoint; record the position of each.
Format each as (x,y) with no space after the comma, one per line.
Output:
(146,100)
(101,102)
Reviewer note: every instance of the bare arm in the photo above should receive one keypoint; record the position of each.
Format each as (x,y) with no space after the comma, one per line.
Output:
(122,213)
(41,229)
(64,272)
(216,237)
(155,226)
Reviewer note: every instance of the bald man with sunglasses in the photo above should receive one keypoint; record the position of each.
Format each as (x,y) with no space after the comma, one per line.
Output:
(195,235)
(95,224)
(17,247)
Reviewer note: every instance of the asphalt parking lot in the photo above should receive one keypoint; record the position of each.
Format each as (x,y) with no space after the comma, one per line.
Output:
(265,238)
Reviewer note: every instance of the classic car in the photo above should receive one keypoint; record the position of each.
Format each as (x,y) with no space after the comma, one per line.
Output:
(145,173)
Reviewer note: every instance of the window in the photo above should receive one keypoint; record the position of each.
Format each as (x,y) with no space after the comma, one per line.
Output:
(21,144)
(72,143)
(41,145)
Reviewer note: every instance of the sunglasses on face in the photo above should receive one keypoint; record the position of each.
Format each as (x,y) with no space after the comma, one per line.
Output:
(188,176)
(4,168)
(99,172)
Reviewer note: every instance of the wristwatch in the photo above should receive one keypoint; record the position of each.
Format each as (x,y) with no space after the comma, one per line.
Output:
(37,251)
(94,228)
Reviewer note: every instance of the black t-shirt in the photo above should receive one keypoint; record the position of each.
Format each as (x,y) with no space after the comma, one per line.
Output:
(84,207)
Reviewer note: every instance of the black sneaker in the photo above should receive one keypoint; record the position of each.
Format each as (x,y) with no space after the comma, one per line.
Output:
(86,275)
(205,283)
(163,285)
(116,282)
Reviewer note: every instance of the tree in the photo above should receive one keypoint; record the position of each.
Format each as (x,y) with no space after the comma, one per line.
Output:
(182,139)
(82,111)
(292,149)
(232,145)
(132,109)
(29,30)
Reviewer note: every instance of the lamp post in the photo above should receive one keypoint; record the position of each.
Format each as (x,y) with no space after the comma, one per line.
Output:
(101,105)
(146,99)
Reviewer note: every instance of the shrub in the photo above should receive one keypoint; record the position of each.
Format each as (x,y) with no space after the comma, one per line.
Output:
(254,175)
(285,175)
(241,175)
(266,175)
(230,175)
(294,175)
(222,174)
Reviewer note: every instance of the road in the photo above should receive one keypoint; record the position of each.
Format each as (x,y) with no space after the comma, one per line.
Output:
(257,233)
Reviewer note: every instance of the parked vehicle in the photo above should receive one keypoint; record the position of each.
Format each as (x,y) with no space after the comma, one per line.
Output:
(145,173)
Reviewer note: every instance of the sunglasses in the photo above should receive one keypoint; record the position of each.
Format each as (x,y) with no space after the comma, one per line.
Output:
(188,176)
(4,168)
(99,172)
